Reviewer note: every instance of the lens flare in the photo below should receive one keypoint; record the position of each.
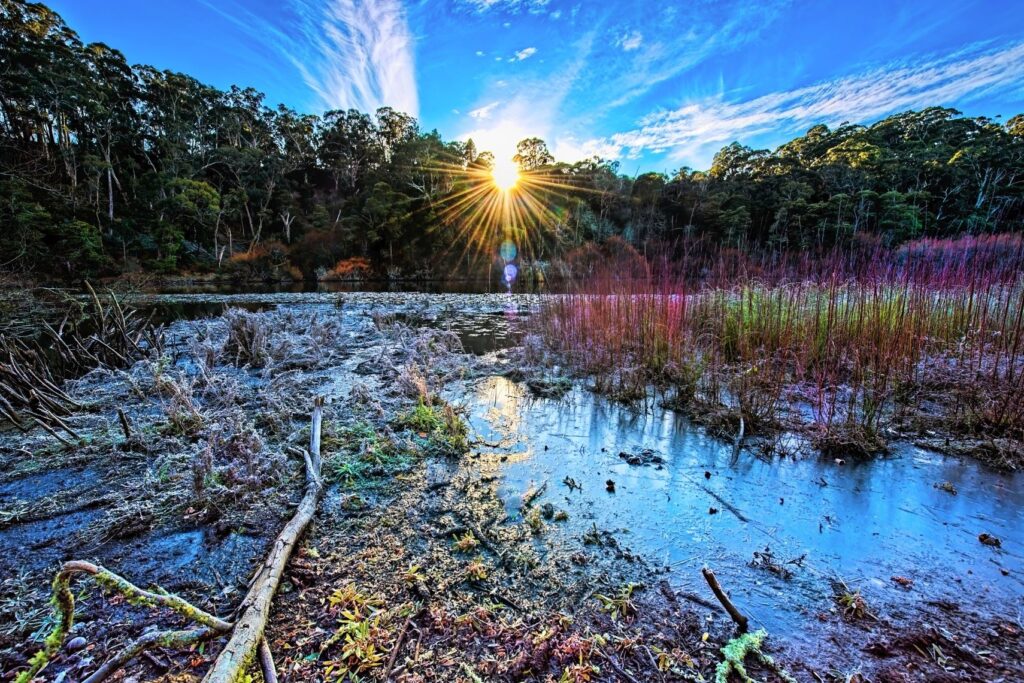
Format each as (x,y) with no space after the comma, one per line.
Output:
(508,251)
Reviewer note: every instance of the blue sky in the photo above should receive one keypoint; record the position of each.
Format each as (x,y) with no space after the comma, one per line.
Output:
(655,85)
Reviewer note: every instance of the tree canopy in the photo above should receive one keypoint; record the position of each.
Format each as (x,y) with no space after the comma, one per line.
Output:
(107,167)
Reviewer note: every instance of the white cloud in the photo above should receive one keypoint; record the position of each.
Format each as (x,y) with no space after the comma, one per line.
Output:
(363,54)
(695,127)
(480,53)
(523,115)
(523,54)
(485,111)
(351,53)
(507,6)
(571,150)
(677,44)
(630,41)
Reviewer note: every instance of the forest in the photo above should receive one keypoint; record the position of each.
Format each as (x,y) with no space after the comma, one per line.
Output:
(108,168)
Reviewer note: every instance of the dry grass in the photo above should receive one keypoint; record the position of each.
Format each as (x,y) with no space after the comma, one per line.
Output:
(864,349)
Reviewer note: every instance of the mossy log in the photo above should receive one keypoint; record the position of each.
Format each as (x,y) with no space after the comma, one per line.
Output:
(64,606)
(737,650)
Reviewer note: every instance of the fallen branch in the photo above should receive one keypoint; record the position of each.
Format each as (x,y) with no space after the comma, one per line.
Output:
(247,633)
(174,639)
(255,609)
(64,606)
(126,426)
(735,614)
(724,503)
(398,645)
(620,672)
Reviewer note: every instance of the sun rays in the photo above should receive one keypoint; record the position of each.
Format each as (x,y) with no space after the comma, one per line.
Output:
(502,203)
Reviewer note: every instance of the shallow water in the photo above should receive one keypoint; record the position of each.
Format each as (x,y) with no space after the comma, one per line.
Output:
(864,522)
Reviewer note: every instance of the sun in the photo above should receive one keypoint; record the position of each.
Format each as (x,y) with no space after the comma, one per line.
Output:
(505,175)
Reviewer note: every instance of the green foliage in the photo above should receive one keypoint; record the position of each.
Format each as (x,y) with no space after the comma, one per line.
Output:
(621,604)
(445,432)
(105,165)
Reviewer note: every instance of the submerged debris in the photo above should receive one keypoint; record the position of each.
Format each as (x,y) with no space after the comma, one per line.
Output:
(645,456)
(990,540)
(766,559)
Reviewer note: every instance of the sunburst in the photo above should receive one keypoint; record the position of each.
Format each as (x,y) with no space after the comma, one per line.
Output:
(505,203)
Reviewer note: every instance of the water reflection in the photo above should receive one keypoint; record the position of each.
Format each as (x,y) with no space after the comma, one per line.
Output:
(865,522)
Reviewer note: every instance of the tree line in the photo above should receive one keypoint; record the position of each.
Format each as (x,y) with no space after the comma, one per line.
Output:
(107,167)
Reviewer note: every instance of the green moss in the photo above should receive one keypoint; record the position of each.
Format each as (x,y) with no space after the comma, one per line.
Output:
(63,602)
(738,649)
(443,431)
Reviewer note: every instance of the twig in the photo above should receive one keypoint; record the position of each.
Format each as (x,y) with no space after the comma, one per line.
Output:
(126,426)
(735,614)
(622,673)
(398,644)
(267,662)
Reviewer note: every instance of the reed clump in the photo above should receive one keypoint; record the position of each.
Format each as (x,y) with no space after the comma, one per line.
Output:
(924,340)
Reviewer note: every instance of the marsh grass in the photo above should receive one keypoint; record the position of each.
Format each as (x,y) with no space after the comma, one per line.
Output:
(929,336)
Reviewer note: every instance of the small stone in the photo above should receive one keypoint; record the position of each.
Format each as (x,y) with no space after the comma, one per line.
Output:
(609,486)
(76,644)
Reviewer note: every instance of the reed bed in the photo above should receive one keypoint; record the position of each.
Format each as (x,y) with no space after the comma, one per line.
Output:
(918,341)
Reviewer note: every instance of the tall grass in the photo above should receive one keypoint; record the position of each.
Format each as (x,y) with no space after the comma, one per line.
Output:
(927,337)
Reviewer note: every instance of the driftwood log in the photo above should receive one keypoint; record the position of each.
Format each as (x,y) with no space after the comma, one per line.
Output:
(247,640)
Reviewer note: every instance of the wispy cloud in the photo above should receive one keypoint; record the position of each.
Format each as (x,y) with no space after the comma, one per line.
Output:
(363,54)
(689,130)
(522,114)
(525,53)
(508,6)
(678,41)
(350,53)
(630,41)
(484,112)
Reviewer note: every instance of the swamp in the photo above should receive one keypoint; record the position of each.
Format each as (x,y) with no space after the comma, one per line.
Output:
(484,508)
